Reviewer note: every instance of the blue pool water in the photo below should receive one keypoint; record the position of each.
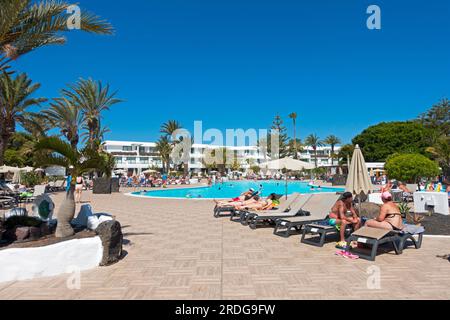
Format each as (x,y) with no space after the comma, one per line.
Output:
(234,189)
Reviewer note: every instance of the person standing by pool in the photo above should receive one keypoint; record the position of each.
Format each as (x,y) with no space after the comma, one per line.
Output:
(68,182)
(164,180)
(78,189)
(343,214)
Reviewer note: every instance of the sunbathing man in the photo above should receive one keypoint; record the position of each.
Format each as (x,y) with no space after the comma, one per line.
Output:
(388,187)
(260,205)
(343,214)
(390,217)
(247,195)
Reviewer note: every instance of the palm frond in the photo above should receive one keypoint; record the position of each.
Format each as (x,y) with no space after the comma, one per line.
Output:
(92,98)
(62,148)
(36,124)
(67,117)
(26,26)
(48,160)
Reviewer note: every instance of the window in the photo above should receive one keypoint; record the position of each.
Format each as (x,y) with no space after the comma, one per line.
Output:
(127,148)
(131,160)
(119,160)
(144,160)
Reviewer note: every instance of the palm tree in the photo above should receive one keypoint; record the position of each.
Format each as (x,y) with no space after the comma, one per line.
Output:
(225,154)
(441,153)
(15,100)
(314,142)
(67,117)
(53,151)
(219,158)
(26,25)
(164,148)
(293,116)
(92,98)
(168,129)
(295,146)
(332,141)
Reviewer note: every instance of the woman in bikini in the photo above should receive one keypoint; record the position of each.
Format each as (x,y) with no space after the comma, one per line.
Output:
(237,204)
(78,189)
(390,217)
(266,204)
(245,196)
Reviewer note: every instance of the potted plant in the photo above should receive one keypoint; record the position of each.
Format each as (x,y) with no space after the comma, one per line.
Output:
(104,184)
(407,214)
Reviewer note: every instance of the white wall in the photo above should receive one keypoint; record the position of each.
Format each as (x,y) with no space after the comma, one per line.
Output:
(29,263)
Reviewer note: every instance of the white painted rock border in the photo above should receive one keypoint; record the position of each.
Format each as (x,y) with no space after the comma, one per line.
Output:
(18,264)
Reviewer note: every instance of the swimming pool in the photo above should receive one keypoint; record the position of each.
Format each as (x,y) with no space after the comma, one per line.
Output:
(233,189)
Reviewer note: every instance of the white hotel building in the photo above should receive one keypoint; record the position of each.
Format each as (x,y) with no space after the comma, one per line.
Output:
(324,158)
(140,156)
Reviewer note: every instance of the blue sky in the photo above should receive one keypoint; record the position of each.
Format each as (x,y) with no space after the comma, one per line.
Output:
(238,63)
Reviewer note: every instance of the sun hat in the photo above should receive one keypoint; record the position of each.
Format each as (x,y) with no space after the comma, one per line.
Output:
(386,195)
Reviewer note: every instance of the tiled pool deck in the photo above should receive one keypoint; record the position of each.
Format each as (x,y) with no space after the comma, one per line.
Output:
(177,250)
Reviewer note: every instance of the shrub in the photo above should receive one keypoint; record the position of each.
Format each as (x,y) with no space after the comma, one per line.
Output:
(410,167)
(31,179)
(255,169)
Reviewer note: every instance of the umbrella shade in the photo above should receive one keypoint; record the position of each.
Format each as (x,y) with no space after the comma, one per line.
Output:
(17,177)
(358,177)
(27,169)
(288,164)
(149,171)
(6,169)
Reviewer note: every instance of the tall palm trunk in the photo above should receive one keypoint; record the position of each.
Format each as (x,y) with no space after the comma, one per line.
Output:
(2,152)
(295,140)
(332,155)
(315,155)
(65,215)
(4,141)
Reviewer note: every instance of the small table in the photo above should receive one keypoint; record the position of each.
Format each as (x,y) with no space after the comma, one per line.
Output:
(431,201)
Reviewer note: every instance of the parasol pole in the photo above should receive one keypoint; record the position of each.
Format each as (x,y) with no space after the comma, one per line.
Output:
(286,187)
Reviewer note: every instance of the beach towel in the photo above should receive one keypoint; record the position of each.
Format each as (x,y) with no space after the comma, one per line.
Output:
(413,229)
